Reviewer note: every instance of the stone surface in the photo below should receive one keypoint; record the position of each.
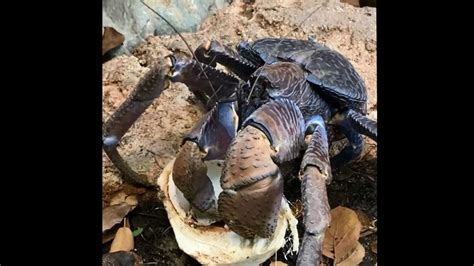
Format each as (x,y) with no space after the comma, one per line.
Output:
(136,22)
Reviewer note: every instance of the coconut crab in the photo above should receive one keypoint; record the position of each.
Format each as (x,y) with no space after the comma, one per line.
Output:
(274,110)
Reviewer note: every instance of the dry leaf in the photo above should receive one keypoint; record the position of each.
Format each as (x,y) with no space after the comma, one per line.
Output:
(109,235)
(373,246)
(341,237)
(132,190)
(364,219)
(123,240)
(355,258)
(121,196)
(114,214)
(110,39)
(121,258)
(278,263)
(132,200)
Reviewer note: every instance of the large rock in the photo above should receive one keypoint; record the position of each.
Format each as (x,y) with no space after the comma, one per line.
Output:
(136,22)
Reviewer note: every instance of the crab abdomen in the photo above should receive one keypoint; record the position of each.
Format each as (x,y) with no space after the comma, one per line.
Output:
(329,71)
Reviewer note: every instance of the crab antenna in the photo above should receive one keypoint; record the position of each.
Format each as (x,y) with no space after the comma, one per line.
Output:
(185,42)
(281,39)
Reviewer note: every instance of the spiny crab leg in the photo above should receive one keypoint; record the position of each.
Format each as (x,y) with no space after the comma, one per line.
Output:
(315,174)
(363,124)
(148,88)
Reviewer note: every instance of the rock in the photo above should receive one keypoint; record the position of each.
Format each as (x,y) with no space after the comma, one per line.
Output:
(136,22)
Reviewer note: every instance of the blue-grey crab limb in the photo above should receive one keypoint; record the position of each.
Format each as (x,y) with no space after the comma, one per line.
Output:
(148,89)
(211,87)
(315,173)
(352,123)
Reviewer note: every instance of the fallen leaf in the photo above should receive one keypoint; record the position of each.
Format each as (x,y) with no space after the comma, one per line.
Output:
(341,237)
(373,246)
(132,190)
(137,231)
(109,234)
(355,258)
(122,196)
(114,214)
(121,258)
(123,240)
(364,219)
(110,39)
(132,200)
(277,263)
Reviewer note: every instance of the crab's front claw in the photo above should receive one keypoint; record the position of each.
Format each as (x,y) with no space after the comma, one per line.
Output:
(213,52)
(209,84)
(251,180)
(148,88)
(208,140)
(252,186)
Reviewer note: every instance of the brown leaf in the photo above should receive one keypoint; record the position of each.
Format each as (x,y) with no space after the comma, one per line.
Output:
(278,263)
(341,237)
(355,258)
(364,219)
(114,214)
(109,235)
(110,39)
(121,196)
(121,258)
(132,190)
(123,240)
(373,246)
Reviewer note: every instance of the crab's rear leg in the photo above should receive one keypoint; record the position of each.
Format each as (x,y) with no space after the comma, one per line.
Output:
(315,174)
(148,88)
(352,123)
(362,124)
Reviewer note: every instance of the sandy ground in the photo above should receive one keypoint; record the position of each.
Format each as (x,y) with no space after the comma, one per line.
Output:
(154,139)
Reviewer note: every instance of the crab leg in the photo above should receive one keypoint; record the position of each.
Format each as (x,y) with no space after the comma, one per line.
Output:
(352,124)
(315,173)
(213,52)
(210,87)
(148,88)
(363,124)
(352,150)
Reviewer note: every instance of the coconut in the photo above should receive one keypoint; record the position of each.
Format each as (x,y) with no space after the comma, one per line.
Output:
(211,243)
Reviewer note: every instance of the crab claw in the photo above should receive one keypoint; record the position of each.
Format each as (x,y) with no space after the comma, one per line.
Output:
(213,52)
(251,180)
(252,184)
(210,85)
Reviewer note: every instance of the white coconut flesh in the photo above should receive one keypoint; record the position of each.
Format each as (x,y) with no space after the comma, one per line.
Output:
(212,244)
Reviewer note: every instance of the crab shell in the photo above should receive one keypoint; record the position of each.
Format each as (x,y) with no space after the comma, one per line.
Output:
(211,244)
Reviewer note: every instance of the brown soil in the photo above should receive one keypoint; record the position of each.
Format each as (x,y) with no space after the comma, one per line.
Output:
(155,138)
